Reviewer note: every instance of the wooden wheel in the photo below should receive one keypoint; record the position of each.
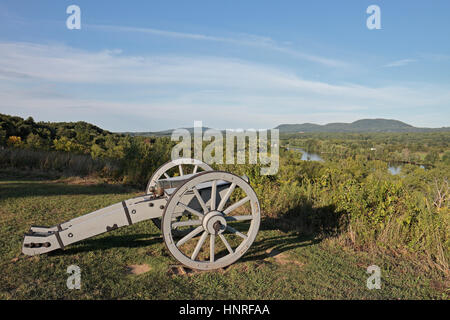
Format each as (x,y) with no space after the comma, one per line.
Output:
(181,167)
(223,208)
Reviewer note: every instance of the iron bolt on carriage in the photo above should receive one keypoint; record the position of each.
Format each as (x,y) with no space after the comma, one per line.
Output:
(190,206)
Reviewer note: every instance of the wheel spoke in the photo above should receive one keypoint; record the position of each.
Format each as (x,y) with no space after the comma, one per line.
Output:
(226,196)
(189,236)
(213,195)
(212,243)
(181,169)
(236,205)
(239,218)
(166,175)
(195,169)
(225,242)
(176,216)
(190,210)
(200,200)
(186,223)
(199,245)
(233,230)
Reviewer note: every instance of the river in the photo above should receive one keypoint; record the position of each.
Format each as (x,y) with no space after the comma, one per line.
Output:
(307,156)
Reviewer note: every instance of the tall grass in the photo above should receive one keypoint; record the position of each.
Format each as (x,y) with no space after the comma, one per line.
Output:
(57,162)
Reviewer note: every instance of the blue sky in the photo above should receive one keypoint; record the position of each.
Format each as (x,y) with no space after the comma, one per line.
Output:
(147,65)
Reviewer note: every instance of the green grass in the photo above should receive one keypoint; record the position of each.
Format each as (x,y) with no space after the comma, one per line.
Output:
(279,265)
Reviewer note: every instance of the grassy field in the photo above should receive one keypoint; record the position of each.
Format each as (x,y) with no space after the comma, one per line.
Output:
(133,263)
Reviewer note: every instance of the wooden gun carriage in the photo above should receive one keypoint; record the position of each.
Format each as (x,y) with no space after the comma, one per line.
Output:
(192,205)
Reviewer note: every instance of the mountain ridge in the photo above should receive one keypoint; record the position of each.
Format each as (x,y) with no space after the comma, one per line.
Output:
(362,125)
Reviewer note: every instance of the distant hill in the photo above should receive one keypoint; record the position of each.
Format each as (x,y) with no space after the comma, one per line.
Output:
(87,134)
(77,137)
(364,125)
(17,126)
(160,133)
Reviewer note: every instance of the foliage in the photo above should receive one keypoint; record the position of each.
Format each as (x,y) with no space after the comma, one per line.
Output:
(133,159)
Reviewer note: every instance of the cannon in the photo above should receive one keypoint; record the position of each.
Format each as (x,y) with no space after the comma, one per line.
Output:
(188,201)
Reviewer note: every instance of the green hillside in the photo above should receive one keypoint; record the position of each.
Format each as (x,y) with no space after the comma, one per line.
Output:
(68,136)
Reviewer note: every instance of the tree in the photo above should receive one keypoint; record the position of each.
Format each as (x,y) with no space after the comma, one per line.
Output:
(432,157)
(64,144)
(14,141)
(34,141)
(97,151)
(446,157)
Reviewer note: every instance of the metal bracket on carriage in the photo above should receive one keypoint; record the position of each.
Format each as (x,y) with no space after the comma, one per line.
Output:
(37,245)
(108,228)
(44,240)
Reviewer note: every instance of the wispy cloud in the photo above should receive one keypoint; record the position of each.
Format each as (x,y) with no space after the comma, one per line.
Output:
(399,63)
(239,39)
(155,92)
(157,32)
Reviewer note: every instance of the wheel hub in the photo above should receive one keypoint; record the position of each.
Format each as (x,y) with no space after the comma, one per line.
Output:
(214,222)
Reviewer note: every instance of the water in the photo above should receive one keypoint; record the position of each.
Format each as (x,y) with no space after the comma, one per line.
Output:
(306,155)
(395,169)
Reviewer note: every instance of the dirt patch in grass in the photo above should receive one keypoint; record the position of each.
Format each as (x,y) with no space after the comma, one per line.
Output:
(138,268)
(179,270)
(441,286)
